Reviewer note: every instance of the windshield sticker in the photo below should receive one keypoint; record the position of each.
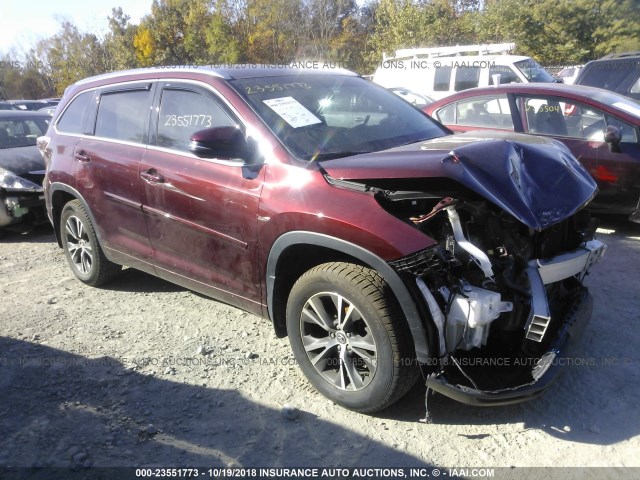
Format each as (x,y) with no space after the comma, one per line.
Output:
(628,108)
(292,111)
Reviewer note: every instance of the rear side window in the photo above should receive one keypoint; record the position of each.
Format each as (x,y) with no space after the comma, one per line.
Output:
(467,77)
(442,79)
(490,112)
(72,120)
(184,112)
(122,115)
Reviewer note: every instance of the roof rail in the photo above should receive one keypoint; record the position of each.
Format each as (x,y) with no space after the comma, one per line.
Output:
(434,52)
(620,55)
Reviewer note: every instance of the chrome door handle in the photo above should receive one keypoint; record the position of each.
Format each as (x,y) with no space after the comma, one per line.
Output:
(152,176)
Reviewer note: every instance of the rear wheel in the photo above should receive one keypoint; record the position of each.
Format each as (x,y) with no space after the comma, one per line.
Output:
(350,337)
(80,244)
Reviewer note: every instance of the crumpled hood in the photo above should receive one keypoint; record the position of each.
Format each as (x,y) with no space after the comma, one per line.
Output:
(21,160)
(535,179)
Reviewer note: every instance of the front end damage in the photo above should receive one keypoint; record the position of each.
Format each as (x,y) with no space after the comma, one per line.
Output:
(502,290)
(15,208)
(505,299)
(21,194)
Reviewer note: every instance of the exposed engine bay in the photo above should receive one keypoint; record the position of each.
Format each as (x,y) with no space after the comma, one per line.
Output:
(499,282)
(498,291)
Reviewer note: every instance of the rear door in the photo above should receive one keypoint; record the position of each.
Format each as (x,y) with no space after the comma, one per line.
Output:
(107,176)
(201,213)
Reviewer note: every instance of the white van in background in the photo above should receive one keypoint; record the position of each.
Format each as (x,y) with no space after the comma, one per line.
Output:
(438,72)
(568,75)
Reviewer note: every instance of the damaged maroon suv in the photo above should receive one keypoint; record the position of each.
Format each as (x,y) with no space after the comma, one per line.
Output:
(378,242)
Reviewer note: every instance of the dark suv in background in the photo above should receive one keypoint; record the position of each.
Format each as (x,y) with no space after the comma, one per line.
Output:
(367,233)
(618,72)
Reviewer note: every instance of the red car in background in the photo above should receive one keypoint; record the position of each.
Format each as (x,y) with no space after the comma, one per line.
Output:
(601,128)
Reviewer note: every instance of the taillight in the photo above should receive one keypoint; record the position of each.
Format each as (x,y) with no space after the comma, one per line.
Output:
(605,174)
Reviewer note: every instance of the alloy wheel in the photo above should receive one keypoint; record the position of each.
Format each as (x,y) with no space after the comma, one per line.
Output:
(78,244)
(338,341)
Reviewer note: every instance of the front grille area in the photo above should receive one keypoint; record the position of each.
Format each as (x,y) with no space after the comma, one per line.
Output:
(417,263)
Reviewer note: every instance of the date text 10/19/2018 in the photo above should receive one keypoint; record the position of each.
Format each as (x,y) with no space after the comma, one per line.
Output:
(268,473)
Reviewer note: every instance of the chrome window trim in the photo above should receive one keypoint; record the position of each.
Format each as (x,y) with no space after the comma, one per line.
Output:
(190,155)
(101,87)
(179,81)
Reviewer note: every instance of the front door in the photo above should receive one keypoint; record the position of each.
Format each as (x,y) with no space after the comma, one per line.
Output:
(581,128)
(201,213)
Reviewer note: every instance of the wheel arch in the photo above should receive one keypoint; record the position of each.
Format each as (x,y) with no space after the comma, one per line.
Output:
(61,194)
(301,250)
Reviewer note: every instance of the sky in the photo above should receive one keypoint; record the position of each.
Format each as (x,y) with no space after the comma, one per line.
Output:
(24,22)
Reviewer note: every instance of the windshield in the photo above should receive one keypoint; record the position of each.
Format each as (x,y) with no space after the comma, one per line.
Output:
(21,132)
(533,71)
(330,116)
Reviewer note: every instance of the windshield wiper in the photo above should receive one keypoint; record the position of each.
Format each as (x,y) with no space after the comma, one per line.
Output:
(331,155)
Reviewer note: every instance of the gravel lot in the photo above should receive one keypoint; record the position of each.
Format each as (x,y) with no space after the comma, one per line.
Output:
(144,373)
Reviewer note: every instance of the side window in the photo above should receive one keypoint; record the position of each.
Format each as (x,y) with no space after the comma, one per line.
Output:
(563,117)
(184,112)
(629,132)
(442,79)
(490,112)
(506,74)
(446,114)
(466,77)
(122,115)
(72,119)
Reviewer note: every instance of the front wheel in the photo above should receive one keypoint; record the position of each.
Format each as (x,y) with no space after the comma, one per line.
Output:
(81,247)
(349,336)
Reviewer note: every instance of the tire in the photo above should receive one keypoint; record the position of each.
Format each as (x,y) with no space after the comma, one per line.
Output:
(364,360)
(82,249)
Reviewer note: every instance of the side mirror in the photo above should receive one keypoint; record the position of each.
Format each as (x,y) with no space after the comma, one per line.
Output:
(220,142)
(613,137)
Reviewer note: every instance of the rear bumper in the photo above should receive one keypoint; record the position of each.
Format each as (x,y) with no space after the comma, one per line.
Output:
(549,365)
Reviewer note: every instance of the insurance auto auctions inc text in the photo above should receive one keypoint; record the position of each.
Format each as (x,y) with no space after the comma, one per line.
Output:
(369,473)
